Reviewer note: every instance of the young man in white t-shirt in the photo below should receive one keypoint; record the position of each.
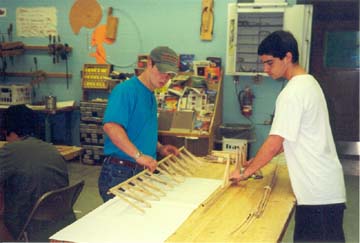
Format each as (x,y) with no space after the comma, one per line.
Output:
(301,129)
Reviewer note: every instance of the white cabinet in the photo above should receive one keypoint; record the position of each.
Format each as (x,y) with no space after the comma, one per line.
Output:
(249,24)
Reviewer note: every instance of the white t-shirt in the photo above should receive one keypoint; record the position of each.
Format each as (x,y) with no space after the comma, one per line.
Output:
(301,118)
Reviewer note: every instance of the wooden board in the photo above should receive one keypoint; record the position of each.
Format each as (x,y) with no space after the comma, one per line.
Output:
(84,13)
(69,152)
(218,222)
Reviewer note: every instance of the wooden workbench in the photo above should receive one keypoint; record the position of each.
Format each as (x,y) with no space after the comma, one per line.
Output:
(67,152)
(209,222)
(218,222)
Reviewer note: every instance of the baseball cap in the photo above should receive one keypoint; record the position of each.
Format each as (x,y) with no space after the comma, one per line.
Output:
(165,59)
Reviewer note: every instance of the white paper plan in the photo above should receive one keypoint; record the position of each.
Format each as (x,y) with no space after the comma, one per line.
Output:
(117,221)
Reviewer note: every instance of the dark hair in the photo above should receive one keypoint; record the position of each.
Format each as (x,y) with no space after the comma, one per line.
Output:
(19,119)
(278,43)
(152,63)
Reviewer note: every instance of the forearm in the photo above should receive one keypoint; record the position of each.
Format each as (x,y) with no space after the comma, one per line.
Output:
(120,139)
(270,148)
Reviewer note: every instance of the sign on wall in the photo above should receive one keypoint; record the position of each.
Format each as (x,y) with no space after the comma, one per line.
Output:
(36,22)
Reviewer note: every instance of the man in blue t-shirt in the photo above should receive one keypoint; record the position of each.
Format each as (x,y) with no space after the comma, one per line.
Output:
(131,125)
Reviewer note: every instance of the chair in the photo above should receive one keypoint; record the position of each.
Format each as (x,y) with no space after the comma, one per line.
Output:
(51,208)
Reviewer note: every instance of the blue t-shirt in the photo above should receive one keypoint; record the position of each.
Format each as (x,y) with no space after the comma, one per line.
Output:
(132,105)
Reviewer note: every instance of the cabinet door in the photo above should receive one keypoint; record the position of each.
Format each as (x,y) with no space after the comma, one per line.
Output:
(231,39)
(298,20)
(249,24)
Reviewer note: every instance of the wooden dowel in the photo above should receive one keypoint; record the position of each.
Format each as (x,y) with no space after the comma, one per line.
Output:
(158,179)
(214,197)
(168,174)
(226,171)
(243,223)
(171,169)
(118,194)
(185,164)
(193,156)
(142,181)
(188,160)
(141,188)
(132,195)
(180,169)
(182,165)
(173,173)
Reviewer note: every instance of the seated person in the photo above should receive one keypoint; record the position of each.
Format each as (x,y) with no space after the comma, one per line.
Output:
(29,167)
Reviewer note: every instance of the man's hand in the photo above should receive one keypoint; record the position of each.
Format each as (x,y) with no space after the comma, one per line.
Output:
(148,162)
(167,149)
(236,176)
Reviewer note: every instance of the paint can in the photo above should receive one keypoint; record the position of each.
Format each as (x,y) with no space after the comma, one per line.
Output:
(50,103)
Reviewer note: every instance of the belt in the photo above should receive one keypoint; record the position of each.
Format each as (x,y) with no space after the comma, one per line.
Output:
(123,162)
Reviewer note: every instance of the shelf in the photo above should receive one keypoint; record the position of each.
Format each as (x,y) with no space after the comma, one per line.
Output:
(40,48)
(198,142)
(32,74)
(16,48)
(194,134)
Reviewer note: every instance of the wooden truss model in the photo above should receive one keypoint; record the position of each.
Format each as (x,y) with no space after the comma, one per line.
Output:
(171,170)
(239,158)
(261,206)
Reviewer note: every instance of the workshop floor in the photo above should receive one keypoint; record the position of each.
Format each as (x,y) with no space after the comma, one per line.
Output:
(90,199)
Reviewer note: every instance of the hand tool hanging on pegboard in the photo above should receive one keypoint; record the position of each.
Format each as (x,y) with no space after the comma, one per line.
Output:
(51,47)
(39,75)
(64,56)
(58,50)
(9,32)
(3,67)
(111,25)
(54,49)
(207,20)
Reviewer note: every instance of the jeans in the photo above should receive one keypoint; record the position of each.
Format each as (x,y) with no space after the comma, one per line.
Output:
(112,175)
(319,223)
